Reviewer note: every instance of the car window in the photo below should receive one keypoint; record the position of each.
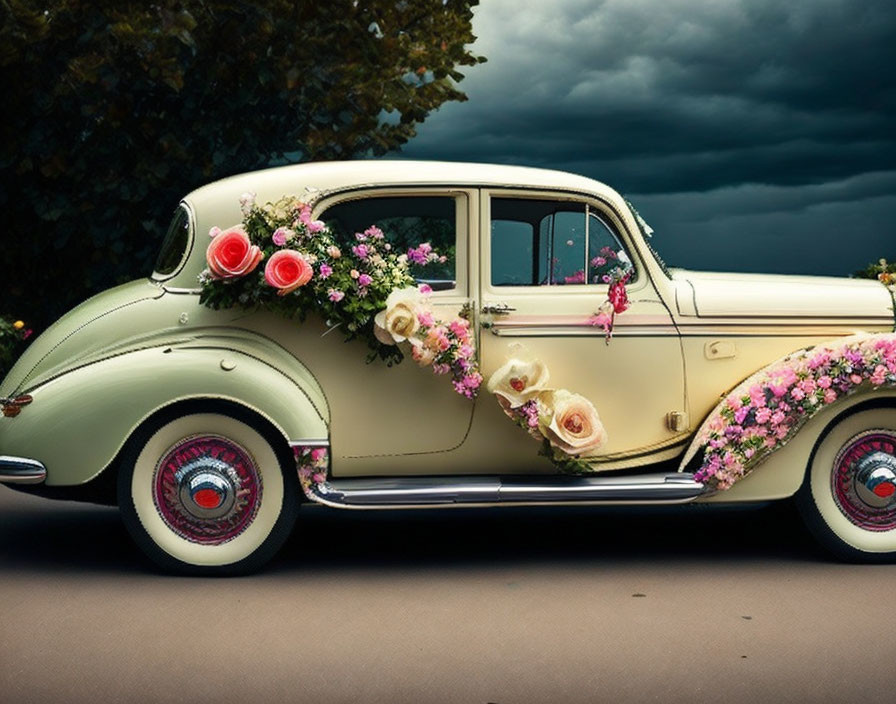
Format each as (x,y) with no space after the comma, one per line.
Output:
(541,242)
(175,244)
(407,221)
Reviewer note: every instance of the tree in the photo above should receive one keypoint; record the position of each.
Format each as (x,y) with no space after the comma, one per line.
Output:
(115,109)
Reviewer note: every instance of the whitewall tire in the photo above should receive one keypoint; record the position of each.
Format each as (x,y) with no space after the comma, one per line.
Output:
(848,498)
(208,492)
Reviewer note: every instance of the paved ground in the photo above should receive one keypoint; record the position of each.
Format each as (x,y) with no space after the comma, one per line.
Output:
(477,606)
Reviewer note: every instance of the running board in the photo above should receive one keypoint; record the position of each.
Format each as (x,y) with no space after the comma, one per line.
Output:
(420,492)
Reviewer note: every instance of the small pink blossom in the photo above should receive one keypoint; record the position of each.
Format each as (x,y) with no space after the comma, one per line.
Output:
(360,251)
(459,326)
(318,454)
(364,280)
(424,317)
(333,252)
(325,271)
(282,235)
(425,289)
(335,295)
(214,232)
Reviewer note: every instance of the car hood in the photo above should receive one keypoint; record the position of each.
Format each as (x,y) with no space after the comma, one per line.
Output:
(716,295)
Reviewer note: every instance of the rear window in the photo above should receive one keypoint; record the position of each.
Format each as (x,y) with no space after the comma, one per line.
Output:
(174,248)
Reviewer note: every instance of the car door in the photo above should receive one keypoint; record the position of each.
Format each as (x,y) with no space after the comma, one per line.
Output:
(394,420)
(542,260)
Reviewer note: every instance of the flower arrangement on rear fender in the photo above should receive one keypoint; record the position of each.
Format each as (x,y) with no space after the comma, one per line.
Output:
(280,259)
(767,409)
(565,423)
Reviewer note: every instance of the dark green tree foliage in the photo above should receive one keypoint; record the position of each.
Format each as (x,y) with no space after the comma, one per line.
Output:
(115,109)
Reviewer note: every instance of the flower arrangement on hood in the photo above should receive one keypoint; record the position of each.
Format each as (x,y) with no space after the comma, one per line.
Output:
(280,259)
(566,424)
(766,410)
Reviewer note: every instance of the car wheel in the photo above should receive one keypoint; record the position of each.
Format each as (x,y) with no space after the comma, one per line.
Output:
(208,493)
(848,498)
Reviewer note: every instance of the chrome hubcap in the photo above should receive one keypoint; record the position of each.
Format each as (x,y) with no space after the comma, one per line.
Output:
(207,489)
(864,480)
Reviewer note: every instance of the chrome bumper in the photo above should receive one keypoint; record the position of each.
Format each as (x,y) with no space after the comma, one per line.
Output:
(21,470)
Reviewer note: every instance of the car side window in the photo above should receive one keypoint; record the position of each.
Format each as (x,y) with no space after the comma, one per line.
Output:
(540,242)
(407,222)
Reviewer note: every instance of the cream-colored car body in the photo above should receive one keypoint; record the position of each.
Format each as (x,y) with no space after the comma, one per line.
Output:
(687,339)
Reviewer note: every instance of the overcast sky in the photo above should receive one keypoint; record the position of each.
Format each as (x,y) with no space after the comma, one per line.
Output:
(753,135)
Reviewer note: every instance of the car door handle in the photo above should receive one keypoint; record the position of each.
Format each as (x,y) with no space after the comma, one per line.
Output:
(499,309)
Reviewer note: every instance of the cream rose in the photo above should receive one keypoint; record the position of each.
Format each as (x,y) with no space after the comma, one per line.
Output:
(398,321)
(518,382)
(575,427)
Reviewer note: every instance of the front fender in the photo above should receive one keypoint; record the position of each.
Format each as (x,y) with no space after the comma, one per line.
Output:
(79,421)
(772,420)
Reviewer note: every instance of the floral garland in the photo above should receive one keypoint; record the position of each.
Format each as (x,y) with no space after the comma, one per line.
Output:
(565,423)
(767,409)
(366,291)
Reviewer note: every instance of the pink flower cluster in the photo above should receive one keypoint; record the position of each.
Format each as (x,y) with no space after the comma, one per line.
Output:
(312,464)
(617,297)
(424,254)
(449,348)
(764,412)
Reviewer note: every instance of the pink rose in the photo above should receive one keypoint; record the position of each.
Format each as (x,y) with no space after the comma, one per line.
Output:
(230,254)
(287,270)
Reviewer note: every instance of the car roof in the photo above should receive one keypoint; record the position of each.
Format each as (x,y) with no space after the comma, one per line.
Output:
(218,203)
(272,184)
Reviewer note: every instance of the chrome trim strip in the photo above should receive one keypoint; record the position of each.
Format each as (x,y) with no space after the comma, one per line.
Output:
(423,492)
(178,289)
(21,470)
(314,442)
(580,331)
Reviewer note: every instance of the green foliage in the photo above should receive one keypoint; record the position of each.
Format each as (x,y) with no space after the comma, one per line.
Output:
(883,271)
(13,335)
(114,110)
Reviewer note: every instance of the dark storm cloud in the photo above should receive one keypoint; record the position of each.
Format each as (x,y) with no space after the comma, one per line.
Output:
(680,94)
(754,135)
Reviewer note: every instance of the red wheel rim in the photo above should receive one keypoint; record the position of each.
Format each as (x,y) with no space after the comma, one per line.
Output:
(207,489)
(864,480)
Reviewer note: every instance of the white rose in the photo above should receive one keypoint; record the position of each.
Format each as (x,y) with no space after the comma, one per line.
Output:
(518,382)
(575,427)
(398,321)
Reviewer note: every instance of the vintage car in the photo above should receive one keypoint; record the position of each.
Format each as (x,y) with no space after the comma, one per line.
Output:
(254,369)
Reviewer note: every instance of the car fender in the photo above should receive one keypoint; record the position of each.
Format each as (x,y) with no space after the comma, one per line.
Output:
(79,421)
(780,473)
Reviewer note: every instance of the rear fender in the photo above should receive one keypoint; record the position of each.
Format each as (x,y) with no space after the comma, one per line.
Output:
(78,422)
